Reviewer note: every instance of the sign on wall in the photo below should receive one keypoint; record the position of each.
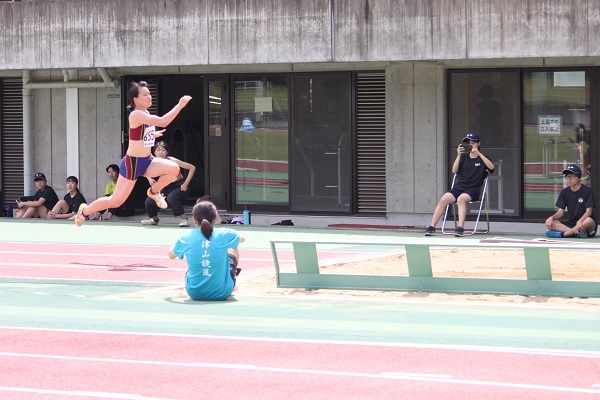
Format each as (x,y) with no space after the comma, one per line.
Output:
(549,124)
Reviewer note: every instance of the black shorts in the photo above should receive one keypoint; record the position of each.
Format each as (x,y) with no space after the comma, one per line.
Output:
(233,269)
(473,193)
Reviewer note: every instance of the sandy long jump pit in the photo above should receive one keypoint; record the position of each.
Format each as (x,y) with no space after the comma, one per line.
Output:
(570,265)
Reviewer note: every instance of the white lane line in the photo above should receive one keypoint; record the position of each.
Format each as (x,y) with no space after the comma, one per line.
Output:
(485,349)
(81,281)
(87,266)
(82,255)
(412,374)
(247,367)
(81,393)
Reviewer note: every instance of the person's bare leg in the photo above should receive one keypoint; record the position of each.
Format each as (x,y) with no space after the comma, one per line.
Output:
(166,170)
(29,212)
(461,204)
(41,211)
(122,191)
(440,209)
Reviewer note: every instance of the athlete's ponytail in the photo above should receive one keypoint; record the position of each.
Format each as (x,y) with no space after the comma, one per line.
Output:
(206,212)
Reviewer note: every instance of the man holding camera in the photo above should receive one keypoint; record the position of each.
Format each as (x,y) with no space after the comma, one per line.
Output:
(471,168)
(37,206)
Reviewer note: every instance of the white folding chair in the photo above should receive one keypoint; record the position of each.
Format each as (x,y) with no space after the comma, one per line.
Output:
(483,202)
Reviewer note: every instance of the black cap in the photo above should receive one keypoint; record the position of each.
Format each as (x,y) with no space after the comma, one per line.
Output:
(471,136)
(572,169)
(39,177)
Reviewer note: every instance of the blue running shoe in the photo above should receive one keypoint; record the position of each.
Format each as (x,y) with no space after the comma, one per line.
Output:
(553,234)
(582,235)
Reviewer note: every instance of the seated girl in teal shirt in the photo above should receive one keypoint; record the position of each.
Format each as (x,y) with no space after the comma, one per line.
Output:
(211,254)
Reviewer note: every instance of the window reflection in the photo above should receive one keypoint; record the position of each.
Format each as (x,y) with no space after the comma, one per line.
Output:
(487,102)
(556,122)
(261,140)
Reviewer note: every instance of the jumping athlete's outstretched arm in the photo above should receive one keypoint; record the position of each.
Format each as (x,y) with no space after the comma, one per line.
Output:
(140,117)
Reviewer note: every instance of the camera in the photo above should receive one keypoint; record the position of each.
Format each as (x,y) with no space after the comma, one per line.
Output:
(467,147)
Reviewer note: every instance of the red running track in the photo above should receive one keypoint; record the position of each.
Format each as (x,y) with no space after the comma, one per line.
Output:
(129,263)
(119,365)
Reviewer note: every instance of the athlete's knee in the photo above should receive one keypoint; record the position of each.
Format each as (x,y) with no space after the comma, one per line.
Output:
(173,169)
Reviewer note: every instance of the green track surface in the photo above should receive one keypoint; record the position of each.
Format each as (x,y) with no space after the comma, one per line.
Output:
(159,308)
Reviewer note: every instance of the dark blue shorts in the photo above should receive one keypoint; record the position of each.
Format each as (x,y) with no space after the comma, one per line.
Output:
(474,193)
(133,167)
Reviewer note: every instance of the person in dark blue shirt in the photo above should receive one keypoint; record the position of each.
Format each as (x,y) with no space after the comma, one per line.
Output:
(68,206)
(37,206)
(578,200)
(471,168)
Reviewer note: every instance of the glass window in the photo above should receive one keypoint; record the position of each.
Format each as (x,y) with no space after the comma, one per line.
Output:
(215,108)
(556,128)
(261,140)
(488,102)
(321,143)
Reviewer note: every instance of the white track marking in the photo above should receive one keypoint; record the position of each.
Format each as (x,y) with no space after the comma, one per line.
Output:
(80,393)
(247,367)
(512,350)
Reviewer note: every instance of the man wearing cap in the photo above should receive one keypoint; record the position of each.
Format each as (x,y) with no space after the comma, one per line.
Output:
(471,168)
(45,199)
(579,201)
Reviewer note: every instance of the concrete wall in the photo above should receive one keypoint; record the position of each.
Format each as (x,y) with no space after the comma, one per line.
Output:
(415,41)
(119,33)
(99,136)
(415,141)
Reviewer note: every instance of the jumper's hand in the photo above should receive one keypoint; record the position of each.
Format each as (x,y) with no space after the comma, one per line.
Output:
(184,100)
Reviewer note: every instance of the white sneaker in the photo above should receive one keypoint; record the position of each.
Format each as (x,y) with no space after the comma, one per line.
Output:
(79,218)
(159,198)
(149,222)
(184,222)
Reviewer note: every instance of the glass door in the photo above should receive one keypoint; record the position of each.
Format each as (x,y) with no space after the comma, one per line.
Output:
(556,130)
(487,102)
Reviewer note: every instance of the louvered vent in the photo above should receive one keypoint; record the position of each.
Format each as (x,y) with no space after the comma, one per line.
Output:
(11,138)
(153,86)
(370,127)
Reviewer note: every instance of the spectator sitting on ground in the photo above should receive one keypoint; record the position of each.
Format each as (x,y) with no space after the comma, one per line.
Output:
(471,168)
(579,201)
(68,206)
(211,254)
(37,206)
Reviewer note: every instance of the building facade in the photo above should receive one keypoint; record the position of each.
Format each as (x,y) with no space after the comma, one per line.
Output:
(345,109)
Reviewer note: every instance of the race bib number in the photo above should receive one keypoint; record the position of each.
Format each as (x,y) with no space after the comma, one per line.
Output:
(149,136)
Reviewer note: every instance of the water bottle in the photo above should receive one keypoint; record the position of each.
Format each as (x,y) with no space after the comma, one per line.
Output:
(247,215)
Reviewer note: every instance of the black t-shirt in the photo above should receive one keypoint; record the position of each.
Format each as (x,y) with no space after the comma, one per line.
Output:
(471,173)
(576,202)
(49,194)
(74,202)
